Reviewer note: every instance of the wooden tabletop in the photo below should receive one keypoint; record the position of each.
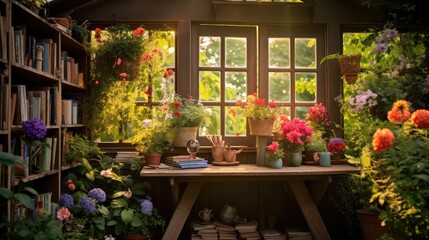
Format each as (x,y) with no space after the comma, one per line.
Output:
(248,170)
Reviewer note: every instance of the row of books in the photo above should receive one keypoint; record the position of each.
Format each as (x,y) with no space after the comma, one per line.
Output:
(46,159)
(3,38)
(39,102)
(42,54)
(219,230)
(185,162)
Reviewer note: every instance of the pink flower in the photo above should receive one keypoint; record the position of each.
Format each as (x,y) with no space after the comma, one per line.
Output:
(71,186)
(274,146)
(63,214)
(295,133)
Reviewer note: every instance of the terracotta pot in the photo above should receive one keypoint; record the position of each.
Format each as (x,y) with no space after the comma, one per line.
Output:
(261,126)
(218,153)
(152,159)
(370,224)
(183,134)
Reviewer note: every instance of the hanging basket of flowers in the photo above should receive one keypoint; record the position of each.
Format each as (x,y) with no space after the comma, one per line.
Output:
(350,67)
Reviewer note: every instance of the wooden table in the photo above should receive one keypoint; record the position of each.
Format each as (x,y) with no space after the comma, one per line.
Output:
(294,177)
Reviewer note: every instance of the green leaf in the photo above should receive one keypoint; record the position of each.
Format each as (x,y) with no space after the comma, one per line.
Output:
(6,193)
(25,199)
(127,215)
(31,190)
(99,222)
(112,223)
(104,210)
(422,177)
(8,159)
(118,194)
(136,221)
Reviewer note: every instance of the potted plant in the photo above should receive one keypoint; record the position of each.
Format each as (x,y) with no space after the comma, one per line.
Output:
(152,140)
(293,136)
(80,31)
(185,116)
(317,144)
(34,5)
(259,114)
(274,155)
(336,147)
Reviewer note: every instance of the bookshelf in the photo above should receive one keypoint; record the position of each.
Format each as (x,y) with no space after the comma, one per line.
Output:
(40,67)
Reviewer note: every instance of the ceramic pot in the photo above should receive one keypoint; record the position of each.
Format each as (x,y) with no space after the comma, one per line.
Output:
(275,163)
(370,224)
(231,155)
(293,159)
(324,159)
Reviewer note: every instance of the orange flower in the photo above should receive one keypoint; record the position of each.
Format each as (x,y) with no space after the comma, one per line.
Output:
(397,116)
(232,111)
(382,139)
(402,105)
(421,118)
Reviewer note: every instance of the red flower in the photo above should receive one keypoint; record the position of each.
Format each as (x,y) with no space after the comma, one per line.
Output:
(177,104)
(99,40)
(232,111)
(177,113)
(336,145)
(274,146)
(146,57)
(318,114)
(139,31)
(97,31)
(168,73)
(260,101)
(148,91)
(272,104)
(382,139)
(421,118)
(71,186)
(124,76)
(165,107)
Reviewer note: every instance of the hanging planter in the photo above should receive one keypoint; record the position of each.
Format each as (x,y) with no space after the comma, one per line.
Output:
(350,67)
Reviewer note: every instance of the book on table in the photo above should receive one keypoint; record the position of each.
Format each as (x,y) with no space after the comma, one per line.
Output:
(186,162)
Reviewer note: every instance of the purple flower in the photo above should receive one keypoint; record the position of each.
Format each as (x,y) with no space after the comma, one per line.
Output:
(98,194)
(34,129)
(67,201)
(146,207)
(87,204)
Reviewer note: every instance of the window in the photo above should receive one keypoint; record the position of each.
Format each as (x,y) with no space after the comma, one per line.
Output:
(229,65)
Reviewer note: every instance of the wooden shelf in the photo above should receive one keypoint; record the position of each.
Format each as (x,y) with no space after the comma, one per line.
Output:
(36,176)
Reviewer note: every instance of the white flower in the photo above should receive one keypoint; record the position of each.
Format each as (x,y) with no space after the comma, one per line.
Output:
(109,237)
(146,123)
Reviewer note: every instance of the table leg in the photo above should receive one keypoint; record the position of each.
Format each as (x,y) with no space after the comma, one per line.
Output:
(309,210)
(182,211)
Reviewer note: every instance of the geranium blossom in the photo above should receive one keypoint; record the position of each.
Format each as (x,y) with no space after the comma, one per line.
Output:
(255,107)
(382,139)
(275,150)
(400,112)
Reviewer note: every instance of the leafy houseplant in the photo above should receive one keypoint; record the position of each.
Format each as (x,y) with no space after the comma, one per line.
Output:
(80,31)
(153,137)
(185,112)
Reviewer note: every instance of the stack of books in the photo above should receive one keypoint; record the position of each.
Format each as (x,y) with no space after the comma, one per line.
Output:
(248,231)
(226,232)
(298,233)
(127,156)
(181,162)
(204,231)
(272,234)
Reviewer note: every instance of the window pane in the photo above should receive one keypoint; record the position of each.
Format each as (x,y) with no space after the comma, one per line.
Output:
(279,52)
(166,43)
(235,121)
(209,86)
(301,112)
(279,86)
(209,51)
(213,127)
(305,87)
(235,86)
(235,52)
(305,53)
